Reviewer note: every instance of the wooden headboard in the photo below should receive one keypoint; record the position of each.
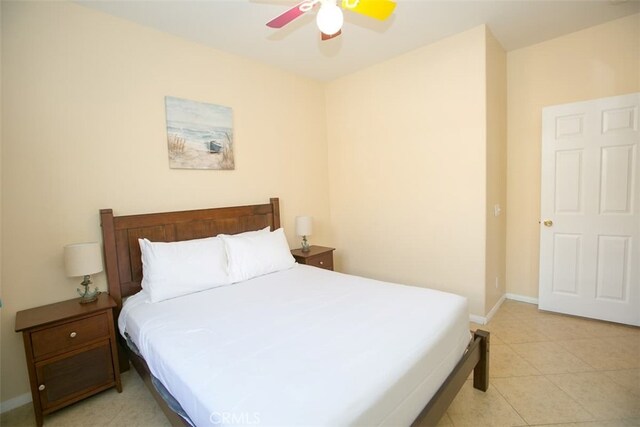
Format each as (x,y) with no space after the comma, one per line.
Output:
(120,236)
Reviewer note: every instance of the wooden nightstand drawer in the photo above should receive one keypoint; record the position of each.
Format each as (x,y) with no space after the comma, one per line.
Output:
(323,261)
(67,335)
(72,376)
(317,256)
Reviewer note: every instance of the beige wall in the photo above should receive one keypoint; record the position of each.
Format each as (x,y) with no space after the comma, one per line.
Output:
(407,189)
(597,62)
(496,98)
(84,129)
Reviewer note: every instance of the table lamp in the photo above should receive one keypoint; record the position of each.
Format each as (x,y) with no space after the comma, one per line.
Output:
(303,228)
(83,259)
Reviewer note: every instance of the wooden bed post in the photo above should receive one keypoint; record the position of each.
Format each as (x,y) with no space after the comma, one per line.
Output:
(481,371)
(110,257)
(275,204)
(113,279)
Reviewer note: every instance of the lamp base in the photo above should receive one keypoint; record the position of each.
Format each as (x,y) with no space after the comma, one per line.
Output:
(87,300)
(87,295)
(305,244)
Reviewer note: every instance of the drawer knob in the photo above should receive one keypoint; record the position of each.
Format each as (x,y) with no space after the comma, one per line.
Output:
(73,334)
(321,262)
(41,387)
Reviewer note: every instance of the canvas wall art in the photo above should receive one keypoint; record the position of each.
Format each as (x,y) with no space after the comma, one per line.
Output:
(199,135)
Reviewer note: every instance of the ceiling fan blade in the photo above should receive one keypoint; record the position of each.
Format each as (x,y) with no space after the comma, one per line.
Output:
(379,9)
(288,16)
(329,37)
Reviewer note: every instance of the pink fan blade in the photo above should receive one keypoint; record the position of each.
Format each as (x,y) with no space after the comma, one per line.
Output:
(329,37)
(288,16)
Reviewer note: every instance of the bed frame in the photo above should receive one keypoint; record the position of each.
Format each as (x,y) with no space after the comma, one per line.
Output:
(124,275)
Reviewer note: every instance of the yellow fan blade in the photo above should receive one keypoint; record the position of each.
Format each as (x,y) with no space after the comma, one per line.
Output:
(379,9)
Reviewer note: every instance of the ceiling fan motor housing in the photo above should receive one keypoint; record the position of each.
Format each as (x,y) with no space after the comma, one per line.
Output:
(329,18)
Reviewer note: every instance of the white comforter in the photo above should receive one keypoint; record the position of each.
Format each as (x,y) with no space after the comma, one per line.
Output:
(304,346)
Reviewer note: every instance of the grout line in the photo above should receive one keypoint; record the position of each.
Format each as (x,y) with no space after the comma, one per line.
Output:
(578,355)
(593,417)
(509,403)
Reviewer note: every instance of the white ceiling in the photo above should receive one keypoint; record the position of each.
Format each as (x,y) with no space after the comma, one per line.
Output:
(238,27)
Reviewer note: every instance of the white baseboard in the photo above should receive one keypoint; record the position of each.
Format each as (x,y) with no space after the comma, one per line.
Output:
(477,319)
(495,308)
(483,320)
(14,403)
(522,298)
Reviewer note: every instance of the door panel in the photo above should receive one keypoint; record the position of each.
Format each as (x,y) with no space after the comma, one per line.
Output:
(590,220)
(613,266)
(618,119)
(568,181)
(566,262)
(569,126)
(617,180)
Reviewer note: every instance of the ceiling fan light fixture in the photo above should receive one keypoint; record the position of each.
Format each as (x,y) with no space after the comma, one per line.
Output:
(329,18)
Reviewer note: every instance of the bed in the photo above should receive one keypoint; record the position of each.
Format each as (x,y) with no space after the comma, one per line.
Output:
(297,346)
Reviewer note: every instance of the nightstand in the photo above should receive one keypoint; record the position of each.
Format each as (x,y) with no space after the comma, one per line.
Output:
(318,256)
(71,352)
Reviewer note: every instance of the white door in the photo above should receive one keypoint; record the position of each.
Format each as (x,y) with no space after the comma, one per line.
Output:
(590,209)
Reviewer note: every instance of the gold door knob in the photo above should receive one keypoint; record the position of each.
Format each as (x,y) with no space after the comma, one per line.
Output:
(548,223)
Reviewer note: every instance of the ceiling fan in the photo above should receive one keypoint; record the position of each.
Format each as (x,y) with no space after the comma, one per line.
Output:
(329,17)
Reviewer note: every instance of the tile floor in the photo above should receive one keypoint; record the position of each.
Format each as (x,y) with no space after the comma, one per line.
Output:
(546,369)
(550,369)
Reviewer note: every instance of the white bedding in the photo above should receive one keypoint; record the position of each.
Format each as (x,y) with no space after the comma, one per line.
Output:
(304,346)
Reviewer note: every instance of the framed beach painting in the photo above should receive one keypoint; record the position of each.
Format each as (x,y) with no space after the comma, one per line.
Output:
(199,135)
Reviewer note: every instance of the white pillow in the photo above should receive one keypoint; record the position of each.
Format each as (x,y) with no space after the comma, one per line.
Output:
(179,268)
(252,255)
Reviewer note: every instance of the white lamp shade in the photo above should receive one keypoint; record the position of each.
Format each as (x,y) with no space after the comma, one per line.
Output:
(304,226)
(82,259)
